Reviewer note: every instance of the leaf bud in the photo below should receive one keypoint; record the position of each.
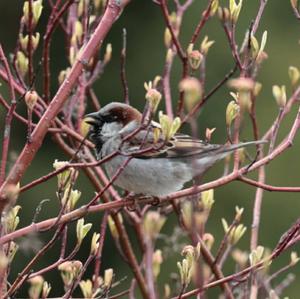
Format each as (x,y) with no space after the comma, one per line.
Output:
(279,94)
(31,98)
(22,63)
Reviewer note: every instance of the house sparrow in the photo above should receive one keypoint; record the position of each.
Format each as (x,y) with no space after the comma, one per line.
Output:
(164,166)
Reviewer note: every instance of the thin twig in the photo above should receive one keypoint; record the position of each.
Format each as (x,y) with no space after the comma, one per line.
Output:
(123,68)
(9,116)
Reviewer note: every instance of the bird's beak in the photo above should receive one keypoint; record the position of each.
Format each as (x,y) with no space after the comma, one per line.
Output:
(92,118)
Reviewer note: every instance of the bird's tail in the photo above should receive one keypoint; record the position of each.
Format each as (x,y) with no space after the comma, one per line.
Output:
(233,147)
(206,161)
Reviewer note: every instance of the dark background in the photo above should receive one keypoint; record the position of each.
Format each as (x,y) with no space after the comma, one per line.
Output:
(145,59)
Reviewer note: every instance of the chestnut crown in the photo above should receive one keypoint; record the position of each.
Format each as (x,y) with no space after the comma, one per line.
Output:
(114,112)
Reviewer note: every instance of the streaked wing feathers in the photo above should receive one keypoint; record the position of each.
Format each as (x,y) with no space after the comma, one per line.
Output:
(178,147)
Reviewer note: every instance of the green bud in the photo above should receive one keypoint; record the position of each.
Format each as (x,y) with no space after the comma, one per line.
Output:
(214,7)
(279,94)
(238,213)
(235,234)
(153,96)
(254,46)
(62,75)
(168,127)
(31,98)
(156,80)
(36,286)
(86,287)
(207,199)
(153,223)
(156,134)
(37,8)
(77,34)
(46,289)
(195,58)
(23,41)
(108,54)
(64,178)
(11,219)
(208,133)
(169,55)
(80,7)
(256,255)
(234,10)
(108,278)
(112,226)
(238,233)
(192,91)
(22,63)
(206,45)
(69,270)
(244,86)
(174,19)
(156,263)
(191,253)
(186,270)
(257,88)
(223,14)
(35,40)
(13,248)
(95,243)
(187,214)
(294,258)
(72,55)
(294,75)
(74,197)
(175,126)
(165,123)
(82,230)
(257,51)
(167,38)
(232,112)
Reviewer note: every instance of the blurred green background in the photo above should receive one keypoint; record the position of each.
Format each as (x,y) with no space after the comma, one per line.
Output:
(145,59)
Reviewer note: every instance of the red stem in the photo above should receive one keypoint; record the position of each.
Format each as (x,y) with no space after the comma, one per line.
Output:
(175,40)
(203,20)
(123,68)
(52,25)
(29,45)
(268,187)
(99,251)
(9,116)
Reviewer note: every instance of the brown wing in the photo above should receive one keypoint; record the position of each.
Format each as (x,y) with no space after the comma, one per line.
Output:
(185,146)
(178,147)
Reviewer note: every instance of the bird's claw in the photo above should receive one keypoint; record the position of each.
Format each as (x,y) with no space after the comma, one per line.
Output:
(156,201)
(132,206)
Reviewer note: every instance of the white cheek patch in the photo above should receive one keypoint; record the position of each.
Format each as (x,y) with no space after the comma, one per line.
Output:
(110,129)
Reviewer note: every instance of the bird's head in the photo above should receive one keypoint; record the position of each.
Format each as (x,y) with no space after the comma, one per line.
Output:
(110,120)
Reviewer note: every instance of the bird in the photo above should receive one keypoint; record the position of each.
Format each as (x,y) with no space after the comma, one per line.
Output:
(154,167)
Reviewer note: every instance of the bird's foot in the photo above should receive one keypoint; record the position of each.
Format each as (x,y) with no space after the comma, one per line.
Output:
(132,206)
(156,201)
